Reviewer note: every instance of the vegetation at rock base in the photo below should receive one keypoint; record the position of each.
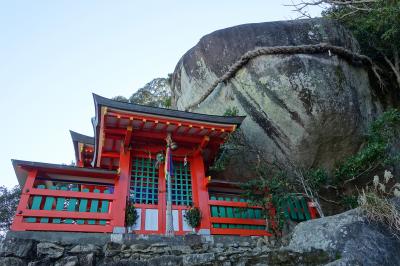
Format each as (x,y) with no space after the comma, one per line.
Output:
(376,26)
(377,151)
(266,191)
(275,183)
(9,198)
(376,204)
(273,188)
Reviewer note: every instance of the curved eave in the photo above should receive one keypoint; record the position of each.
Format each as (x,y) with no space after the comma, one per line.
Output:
(165,112)
(80,138)
(22,169)
(100,102)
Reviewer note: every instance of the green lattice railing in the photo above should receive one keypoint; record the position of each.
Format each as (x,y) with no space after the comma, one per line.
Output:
(296,209)
(234,212)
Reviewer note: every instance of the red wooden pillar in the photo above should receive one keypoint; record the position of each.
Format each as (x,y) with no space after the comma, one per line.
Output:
(271,219)
(312,210)
(79,163)
(17,224)
(122,184)
(200,192)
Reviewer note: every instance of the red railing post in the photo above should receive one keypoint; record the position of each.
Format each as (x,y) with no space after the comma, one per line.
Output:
(312,209)
(121,188)
(271,215)
(200,192)
(17,224)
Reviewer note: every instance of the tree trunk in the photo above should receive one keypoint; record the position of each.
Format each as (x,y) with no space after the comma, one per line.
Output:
(394,66)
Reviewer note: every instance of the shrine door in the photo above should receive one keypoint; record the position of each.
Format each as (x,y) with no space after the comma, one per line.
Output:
(148,193)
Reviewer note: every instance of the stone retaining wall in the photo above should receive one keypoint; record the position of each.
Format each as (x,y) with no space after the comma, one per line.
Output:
(62,249)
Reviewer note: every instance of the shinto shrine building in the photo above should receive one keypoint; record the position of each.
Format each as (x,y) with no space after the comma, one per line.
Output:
(121,164)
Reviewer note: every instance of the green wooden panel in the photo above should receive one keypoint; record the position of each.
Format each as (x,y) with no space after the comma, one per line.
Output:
(285,207)
(293,213)
(60,206)
(94,205)
(71,206)
(258,214)
(244,214)
(237,213)
(82,206)
(214,212)
(48,204)
(250,212)
(37,200)
(244,211)
(298,208)
(229,213)
(222,212)
(104,207)
(305,208)
(251,215)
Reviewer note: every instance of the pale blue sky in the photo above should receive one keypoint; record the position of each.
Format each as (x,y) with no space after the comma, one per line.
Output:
(54,54)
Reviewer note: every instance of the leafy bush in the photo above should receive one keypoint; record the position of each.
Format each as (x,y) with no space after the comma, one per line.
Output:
(315,178)
(193,217)
(269,190)
(234,145)
(120,99)
(9,199)
(231,111)
(350,201)
(131,215)
(376,152)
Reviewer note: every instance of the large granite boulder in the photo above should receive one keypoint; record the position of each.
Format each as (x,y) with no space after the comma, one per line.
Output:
(349,238)
(313,109)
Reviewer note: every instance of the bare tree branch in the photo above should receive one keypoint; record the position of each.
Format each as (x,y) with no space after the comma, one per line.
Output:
(354,6)
(330,201)
(393,66)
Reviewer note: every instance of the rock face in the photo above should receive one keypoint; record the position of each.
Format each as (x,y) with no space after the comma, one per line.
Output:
(343,239)
(348,238)
(310,108)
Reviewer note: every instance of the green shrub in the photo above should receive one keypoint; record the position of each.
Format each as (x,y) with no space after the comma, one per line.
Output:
(231,111)
(376,151)
(193,217)
(131,215)
(269,190)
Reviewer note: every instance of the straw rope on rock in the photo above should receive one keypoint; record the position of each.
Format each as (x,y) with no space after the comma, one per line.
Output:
(351,57)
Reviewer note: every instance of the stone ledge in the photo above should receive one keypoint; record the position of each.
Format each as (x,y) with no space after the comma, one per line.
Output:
(127,239)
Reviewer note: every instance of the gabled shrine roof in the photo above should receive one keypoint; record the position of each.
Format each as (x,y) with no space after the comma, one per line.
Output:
(114,118)
(80,138)
(142,109)
(22,168)
(77,137)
